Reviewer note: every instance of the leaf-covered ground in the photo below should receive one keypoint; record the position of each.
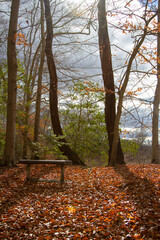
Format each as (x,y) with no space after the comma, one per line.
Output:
(94,203)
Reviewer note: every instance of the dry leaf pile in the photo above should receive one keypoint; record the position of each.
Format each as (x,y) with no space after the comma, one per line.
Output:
(94,203)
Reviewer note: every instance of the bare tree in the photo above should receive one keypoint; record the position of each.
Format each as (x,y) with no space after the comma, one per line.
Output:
(33,54)
(147,19)
(31,61)
(155,120)
(40,73)
(108,78)
(9,152)
(124,78)
(53,95)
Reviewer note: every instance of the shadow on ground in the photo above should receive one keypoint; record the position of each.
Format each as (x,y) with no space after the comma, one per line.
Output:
(143,194)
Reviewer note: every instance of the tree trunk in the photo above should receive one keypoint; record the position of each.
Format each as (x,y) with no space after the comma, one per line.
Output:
(155,120)
(38,100)
(9,152)
(26,126)
(122,91)
(29,85)
(108,79)
(53,96)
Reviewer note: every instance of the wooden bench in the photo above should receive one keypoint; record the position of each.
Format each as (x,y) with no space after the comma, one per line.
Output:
(62,163)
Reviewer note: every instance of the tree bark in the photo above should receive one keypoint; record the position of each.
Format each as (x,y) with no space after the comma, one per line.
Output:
(9,151)
(108,79)
(53,96)
(38,100)
(155,120)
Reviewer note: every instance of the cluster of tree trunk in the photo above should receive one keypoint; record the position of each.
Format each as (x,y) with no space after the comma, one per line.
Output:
(112,122)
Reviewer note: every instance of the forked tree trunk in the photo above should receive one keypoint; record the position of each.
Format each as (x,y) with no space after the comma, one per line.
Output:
(108,79)
(9,152)
(123,88)
(53,96)
(155,120)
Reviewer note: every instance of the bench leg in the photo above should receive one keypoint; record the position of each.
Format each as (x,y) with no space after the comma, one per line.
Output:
(62,174)
(28,171)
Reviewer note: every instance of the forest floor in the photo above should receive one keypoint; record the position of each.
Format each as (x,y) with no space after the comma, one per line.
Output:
(94,203)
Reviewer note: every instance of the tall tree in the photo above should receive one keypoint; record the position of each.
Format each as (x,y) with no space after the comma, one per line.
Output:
(9,152)
(108,79)
(147,19)
(53,94)
(31,61)
(155,120)
(40,73)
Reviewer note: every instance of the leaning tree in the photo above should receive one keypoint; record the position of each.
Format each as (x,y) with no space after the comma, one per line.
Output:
(53,93)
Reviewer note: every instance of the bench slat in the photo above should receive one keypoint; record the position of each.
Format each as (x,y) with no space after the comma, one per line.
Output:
(32,161)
